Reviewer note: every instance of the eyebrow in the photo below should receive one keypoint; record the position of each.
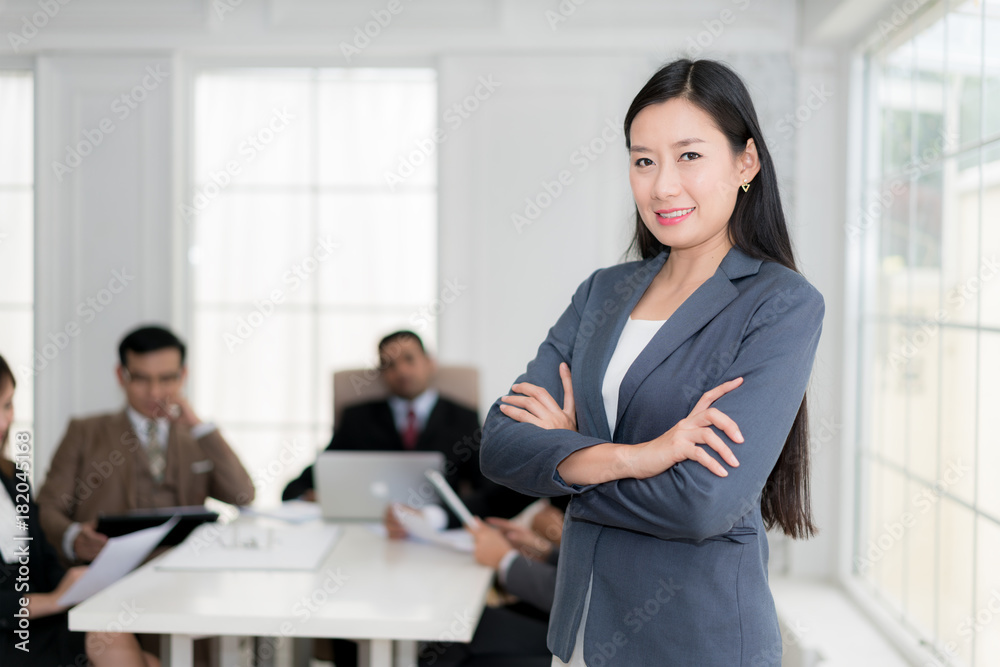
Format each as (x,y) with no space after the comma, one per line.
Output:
(678,144)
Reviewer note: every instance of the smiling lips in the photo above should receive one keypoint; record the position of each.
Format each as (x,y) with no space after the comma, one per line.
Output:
(673,216)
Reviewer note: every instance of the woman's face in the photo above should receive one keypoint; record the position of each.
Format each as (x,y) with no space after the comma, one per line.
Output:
(684,175)
(6,407)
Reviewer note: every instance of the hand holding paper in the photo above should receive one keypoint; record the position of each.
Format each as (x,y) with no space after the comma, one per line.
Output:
(119,556)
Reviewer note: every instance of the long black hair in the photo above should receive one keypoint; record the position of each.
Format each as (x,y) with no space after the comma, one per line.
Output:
(757,227)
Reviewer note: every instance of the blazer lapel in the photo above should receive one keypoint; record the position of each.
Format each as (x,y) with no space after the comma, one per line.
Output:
(698,310)
(588,378)
(435,420)
(383,414)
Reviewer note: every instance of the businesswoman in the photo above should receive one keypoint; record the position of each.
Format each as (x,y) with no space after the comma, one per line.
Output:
(49,641)
(668,399)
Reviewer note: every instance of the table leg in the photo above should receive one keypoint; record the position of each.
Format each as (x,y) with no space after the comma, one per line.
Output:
(375,653)
(406,653)
(177,651)
(229,650)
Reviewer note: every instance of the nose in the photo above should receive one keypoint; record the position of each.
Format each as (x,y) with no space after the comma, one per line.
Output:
(667,183)
(158,390)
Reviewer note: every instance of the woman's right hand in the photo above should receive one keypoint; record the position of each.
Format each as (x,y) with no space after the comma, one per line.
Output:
(46,604)
(534,404)
(681,442)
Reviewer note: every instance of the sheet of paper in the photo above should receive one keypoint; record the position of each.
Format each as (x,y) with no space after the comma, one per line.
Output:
(290,511)
(244,546)
(418,528)
(119,556)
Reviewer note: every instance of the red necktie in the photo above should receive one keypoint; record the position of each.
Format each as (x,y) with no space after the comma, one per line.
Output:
(410,434)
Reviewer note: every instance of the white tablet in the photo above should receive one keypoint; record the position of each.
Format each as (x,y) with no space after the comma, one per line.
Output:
(451,499)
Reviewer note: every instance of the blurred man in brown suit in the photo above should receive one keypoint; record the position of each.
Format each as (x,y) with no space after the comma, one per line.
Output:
(154,453)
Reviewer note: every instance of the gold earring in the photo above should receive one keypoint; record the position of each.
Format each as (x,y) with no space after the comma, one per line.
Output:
(745,186)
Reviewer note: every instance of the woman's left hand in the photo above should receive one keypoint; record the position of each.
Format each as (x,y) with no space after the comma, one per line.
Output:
(536,406)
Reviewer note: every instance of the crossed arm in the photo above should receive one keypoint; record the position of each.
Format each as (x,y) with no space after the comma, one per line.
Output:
(609,461)
(655,487)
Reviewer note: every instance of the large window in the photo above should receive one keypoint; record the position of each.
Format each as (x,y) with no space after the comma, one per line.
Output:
(17,241)
(313,231)
(927,541)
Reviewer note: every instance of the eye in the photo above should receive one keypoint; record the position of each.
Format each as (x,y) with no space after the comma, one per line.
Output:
(684,156)
(643,162)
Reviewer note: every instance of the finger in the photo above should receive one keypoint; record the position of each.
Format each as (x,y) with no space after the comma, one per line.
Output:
(569,405)
(540,394)
(502,524)
(520,415)
(712,439)
(712,395)
(724,422)
(704,458)
(528,403)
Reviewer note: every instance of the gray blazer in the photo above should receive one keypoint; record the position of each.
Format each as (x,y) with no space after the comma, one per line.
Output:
(679,561)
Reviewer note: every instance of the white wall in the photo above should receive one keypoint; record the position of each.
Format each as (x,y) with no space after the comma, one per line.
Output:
(567,71)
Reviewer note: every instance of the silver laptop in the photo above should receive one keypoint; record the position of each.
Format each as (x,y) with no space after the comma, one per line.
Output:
(358,486)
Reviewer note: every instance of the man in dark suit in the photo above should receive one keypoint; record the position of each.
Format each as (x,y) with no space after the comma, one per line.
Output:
(415,417)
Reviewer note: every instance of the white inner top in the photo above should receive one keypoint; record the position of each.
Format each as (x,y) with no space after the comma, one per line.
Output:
(634,339)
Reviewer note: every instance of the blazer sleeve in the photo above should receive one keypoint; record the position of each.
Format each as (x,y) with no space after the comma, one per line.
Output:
(775,359)
(230,481)
(532,582)
(523,456)
(56,499)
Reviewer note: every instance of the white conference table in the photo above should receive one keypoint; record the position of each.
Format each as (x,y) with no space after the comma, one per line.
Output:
(391,593)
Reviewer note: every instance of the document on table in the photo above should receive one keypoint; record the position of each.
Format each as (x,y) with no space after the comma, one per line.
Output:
(247,546)
(418,527)
(290,511)
(119,556)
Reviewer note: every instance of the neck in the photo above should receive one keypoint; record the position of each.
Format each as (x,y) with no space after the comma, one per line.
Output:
(697,264)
